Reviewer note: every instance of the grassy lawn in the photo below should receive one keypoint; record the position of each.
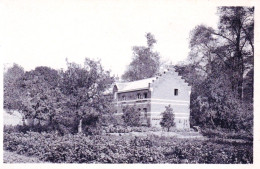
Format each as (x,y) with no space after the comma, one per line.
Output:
(161,134)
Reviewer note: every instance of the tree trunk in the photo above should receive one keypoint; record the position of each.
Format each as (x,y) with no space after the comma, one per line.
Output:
(80,126)
(212,122)
(239,63)
(23,120)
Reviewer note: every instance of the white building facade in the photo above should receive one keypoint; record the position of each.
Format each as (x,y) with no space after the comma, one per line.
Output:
(151,96)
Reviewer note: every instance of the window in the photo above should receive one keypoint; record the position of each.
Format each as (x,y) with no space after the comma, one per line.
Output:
(145,95)
(123,98)
(145,112)
(139,96)
(175,92)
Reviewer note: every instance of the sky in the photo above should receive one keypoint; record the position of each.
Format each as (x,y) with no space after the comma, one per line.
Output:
(45,33)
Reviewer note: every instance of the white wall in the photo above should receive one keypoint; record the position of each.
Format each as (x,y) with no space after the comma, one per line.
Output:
(163,95)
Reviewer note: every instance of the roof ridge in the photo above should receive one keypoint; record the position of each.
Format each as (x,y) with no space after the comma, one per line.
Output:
(137,80)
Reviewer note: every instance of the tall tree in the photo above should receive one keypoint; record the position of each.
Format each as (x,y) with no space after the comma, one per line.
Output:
(12,94)
(237,28)
(41,98)
(224,60)
(84,86)
(232,43)
(145,63)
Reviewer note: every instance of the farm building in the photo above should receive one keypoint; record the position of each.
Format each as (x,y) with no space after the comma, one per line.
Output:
(150,96)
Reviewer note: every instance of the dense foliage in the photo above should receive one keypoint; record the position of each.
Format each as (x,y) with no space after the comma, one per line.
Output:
(167,118)
(40,96)
(226,134)
(220,70)
(145,63)
(12,157)
(121,149)
(84,87)
(131,116)
(12,96)
(67,101)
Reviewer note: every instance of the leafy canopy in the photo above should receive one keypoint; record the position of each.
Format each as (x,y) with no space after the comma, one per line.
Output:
(131,116)
(167,120)
(145,63)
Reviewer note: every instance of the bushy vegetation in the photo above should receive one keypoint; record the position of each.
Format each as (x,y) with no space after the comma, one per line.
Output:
(146,62)
(131,116)
(12,157)
(67,101)
(167,118)
(227,134)
(127,129)
(121,149)
(220,69)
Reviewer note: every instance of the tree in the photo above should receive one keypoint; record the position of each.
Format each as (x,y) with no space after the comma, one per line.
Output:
(84,87)
(223,59)
(12,94)
(237,28)
(41,99)
(145,63)
(167,118)
(232,44)
(248,87)
(131,116)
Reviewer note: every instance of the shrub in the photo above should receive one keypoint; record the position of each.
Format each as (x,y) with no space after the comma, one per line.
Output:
(124,149)
(18,128)
(10,129)
(131,116)
(167,118)
(117,129)
(127,129)
(111,119)
(227,134)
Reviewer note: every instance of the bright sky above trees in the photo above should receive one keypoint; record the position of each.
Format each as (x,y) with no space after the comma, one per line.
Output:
(45,33)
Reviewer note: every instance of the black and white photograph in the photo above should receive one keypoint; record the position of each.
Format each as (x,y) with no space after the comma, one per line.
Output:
(128,82)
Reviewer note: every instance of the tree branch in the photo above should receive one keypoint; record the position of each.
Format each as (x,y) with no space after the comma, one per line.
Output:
(228,65)
(248,38)
(243,45)
(214,33)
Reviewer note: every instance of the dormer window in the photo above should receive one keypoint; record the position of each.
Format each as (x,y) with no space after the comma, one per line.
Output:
(176,92)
